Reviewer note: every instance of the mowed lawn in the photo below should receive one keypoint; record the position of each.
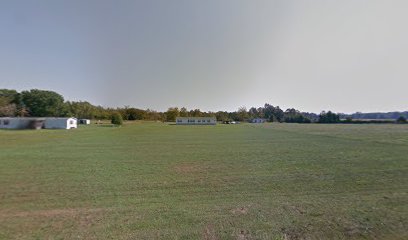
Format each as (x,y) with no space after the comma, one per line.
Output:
(161,181)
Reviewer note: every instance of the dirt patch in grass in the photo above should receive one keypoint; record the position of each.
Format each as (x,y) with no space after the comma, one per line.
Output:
(244,235)
(357,231)
(297,209)
(188,168)
(240,210)
(71,223)
(209,233)
(352,231)
(293,234)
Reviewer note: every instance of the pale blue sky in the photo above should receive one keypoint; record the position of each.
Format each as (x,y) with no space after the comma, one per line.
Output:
(345,55)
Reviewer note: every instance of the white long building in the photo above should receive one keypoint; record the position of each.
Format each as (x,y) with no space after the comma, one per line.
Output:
(37,123)
(196,121)
(60,123)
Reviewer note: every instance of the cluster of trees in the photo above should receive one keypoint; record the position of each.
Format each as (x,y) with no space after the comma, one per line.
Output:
(41,103)
(173,112)
(329,117)
(376,115)
(8,102)
(31,103)
(294,116)
(269,112)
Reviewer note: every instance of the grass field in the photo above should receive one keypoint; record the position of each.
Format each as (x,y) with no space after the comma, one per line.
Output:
(161,181)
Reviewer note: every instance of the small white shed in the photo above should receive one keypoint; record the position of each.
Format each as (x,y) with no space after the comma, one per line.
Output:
(60,123)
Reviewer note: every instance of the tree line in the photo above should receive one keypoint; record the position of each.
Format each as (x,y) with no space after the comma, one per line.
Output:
(43,103)
(375,115)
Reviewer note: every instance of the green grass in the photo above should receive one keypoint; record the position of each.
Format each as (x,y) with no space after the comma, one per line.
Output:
(160,181)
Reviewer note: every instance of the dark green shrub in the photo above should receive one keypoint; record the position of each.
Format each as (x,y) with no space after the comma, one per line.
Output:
(401,119)
(117,119)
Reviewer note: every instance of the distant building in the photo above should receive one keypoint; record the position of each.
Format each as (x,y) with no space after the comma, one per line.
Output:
(84,121)
(258,120)
(37,123)
(60,123)
(21,123)
(196,121)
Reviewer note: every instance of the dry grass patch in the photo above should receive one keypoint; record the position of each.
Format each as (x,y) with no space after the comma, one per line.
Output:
(209,233)
(51,212)
(189,168)
(71,222)
(240,210)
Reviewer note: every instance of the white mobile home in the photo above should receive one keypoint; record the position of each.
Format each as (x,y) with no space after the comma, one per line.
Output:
(60,123)
(196,121)
(37,123)
(21,123)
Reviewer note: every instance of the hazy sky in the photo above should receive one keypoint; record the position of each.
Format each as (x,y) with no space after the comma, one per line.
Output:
(345,55)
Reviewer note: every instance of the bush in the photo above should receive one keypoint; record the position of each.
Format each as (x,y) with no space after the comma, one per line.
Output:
(117,119)
(401,119)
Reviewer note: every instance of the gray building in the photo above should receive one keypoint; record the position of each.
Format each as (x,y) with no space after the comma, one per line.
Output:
(196,121)
(258,120)
(37,123)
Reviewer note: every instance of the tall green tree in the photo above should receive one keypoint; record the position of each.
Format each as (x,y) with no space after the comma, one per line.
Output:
(81,109)
(273,114)
(41,103)
(8,103)
(9,110)
(253,113)
(183,112)
(8,96)
(242,114)
(195,113)
(133,114)
(171,114)
(222,116)
(154,115)
(292,115)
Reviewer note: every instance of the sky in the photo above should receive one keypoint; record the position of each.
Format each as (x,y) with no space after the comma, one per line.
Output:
(344,55)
